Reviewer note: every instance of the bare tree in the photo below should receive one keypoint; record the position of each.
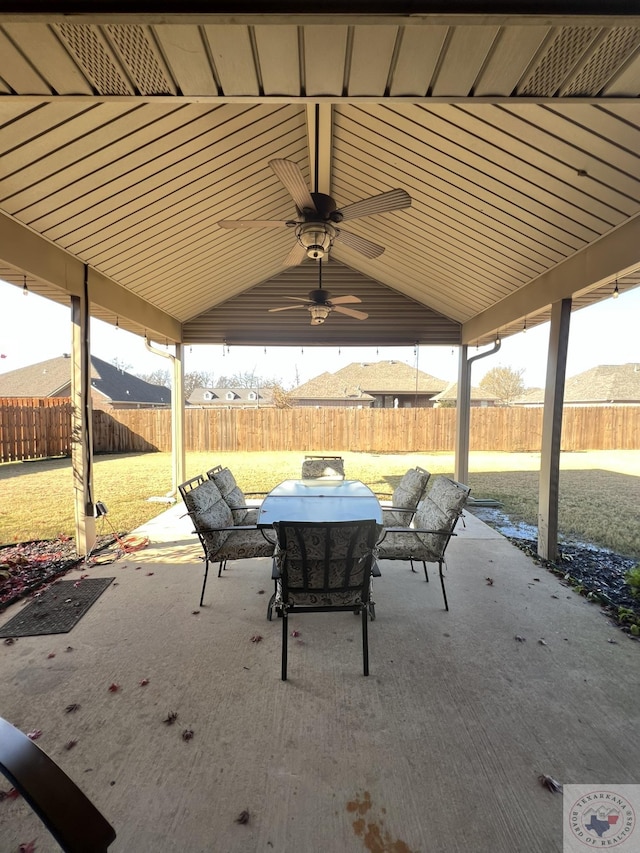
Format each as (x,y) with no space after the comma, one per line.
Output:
(505,383)
(121,365)
(281,398)
(158,377)
(198,379)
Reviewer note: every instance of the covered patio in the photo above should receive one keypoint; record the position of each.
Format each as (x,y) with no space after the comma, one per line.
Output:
(127,138)
(440,748)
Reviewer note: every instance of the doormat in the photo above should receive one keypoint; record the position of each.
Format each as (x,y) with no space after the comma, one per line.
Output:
(57,610)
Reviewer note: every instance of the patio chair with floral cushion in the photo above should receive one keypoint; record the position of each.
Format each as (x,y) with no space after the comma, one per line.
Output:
(324,566)
(72,819)
(220,537)
(432,527)
(403,501)
(244,505)
(323,468)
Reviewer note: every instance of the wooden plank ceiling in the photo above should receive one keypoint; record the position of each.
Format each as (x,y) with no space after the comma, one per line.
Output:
(125,140)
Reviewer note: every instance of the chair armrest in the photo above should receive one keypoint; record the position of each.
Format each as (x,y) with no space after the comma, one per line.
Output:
(275,571)
(230,529)
(375,570)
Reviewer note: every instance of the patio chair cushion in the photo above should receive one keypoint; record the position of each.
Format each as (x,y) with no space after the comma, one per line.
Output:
(245,544)
(406,494)
(448,495)
(232,493)
(208,509)
(326,469)
(307,565)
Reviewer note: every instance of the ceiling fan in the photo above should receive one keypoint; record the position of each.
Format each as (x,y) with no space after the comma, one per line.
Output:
(320,303)
(318,217)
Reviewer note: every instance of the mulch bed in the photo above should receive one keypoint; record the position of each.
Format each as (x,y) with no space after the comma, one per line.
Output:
(30,566)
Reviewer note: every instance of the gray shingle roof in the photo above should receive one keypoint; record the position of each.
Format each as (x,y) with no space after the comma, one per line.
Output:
(451,393)
(52,378)
(362,379)
(606,383)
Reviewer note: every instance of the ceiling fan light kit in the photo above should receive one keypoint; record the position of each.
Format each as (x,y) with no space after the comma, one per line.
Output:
(317,216)
(316,238)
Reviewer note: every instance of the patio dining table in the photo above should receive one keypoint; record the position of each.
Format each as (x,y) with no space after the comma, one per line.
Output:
(319,500)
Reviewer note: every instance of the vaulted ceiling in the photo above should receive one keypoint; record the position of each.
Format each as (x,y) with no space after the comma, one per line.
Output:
(126,138)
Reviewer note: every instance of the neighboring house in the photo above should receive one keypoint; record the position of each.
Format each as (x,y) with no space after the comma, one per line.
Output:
(479,397)
(605,385)
(376,384)
(111,387)
(231,398)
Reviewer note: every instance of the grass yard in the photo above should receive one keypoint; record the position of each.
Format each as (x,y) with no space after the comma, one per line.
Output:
(599,491)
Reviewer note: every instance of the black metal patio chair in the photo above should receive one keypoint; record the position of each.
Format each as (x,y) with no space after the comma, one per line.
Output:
(324,567)
(69,815)
(323,468)
(221,539)
(432,527)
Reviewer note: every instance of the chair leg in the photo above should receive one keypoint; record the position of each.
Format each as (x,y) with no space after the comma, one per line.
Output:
(426,573)
(206,572)
(365,639)
(285,641)
(221,567)
(444,592)
(411,564)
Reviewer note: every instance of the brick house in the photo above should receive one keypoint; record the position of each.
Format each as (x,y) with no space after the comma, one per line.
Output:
(111,387)
(377,385)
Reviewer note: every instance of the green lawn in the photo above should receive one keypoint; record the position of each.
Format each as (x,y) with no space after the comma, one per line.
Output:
(599,491)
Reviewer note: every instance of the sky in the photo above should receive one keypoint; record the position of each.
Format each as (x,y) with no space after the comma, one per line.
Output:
(33,329)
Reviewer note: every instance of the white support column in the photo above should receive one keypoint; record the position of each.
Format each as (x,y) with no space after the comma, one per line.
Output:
(463,416)
(82,443)
(177,420)
(552,430)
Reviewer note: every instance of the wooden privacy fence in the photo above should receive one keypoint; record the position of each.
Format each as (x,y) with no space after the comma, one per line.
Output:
(366,430)
(34,427)
(31,429)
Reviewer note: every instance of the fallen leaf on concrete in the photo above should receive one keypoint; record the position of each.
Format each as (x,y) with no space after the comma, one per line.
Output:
(187,734)
(550,783)
(171,717)
(51,655)
(34,735)
(489,581)
(613,642)
(195,612)
(27,847)
(256,638)
(9,641)
(113,687)
(243,817)
(70,744)
(144,682)
(72,708)
(295,633)
(520,639)
(542,642)
(260,592)
(11,794)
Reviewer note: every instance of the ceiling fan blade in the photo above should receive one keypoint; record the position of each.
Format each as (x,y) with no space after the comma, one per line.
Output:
(291,177)
(361,244)
(251,223)
(296,256)
(351,312)
(298,299)
(383,203)
(285,308)
(341,300)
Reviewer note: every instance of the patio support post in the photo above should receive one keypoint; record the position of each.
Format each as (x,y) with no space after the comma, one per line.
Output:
(81,431)
(463,417)
(552,430)
(177,420)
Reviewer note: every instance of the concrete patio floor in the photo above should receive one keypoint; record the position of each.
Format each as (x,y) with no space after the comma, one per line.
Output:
(438,751)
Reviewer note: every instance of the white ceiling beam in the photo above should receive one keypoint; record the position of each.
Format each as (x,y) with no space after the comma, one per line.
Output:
(612,256)
(25,250)
(179,100)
